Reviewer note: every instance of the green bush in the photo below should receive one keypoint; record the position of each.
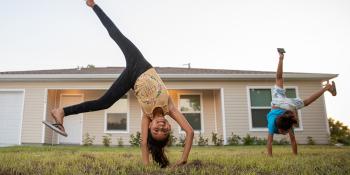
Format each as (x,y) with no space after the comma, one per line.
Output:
(181,141)
(249,140)
(202,141)
(107,140)
(135,140)
(120,141)
(340,133)
(310,140)
(172,139)
(261,141)
(284,141)
(234,139)
(88,140)
(217,141)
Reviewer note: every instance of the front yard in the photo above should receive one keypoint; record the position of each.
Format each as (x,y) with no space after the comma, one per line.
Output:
(203,160)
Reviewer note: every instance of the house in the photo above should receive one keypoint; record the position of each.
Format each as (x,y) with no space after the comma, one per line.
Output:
(213,100)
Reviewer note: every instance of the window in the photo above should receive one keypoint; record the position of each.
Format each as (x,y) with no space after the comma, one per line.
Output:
(116,117)
(260,105)
(190,107)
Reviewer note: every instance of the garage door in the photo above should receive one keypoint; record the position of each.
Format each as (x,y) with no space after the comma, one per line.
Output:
(11,109)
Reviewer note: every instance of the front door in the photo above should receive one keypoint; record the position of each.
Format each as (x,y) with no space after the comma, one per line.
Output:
(72,123)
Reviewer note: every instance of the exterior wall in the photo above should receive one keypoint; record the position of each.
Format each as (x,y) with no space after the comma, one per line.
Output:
(235,108)
(208,112)
(34,101)
(313,117)
(94,122)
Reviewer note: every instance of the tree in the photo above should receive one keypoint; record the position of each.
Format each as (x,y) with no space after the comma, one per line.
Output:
(340,133)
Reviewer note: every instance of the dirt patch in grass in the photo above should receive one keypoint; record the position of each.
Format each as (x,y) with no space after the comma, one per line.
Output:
(126,155)
(88,156)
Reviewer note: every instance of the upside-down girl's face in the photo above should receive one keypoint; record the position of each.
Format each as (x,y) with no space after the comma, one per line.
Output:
(160,128)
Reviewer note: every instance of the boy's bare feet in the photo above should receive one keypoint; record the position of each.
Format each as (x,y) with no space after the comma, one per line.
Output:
(90,3)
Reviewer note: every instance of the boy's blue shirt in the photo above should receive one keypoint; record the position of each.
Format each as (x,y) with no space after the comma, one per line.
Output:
(271,120)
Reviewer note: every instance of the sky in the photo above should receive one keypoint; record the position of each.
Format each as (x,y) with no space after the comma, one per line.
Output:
(219,34)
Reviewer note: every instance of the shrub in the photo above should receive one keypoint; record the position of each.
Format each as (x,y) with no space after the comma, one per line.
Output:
(234,139)
(340,133)
(135,140)
(181,141)
(310,140)
(88,140)
(284,141)
(202,141)
(275,142)
(249,140)
(261,141)
(217,141)
(107,140)
(120,141)
(172,139)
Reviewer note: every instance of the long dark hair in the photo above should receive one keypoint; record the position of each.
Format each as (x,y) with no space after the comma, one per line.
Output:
(286,120)
(156,148)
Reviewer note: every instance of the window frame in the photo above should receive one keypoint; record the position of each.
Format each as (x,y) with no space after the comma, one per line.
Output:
(127,119)
(250,117)
(201,111)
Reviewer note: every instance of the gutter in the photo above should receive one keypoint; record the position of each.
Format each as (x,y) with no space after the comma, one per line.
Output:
(190,77)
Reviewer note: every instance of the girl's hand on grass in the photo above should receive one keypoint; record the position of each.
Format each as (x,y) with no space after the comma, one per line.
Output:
(178,164)
(181,162)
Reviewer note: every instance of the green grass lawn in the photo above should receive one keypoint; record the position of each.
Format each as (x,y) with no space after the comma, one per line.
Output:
(202,160)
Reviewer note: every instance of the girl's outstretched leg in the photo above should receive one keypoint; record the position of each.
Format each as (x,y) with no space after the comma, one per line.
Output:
(131,52)
(119,88)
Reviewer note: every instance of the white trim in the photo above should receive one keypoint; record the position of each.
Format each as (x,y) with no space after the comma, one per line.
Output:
(82,115)
(82,77)
(77,88)
(44,116)
(325,114)
(216,124)
(201,112)
(22,111)
(223,113)
(300,128)
(56,106)
(127,120)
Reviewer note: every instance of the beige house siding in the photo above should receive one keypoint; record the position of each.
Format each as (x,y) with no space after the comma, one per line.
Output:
(236,110)
(312,117)
(33,115)
(34,101)
(94,122)
(208,112)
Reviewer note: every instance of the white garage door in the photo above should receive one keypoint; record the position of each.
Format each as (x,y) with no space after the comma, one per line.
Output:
(11,111)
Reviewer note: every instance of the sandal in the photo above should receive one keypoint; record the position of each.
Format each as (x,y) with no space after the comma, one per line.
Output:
(57,127)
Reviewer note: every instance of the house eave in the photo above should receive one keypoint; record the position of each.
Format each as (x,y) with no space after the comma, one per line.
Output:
(169,77)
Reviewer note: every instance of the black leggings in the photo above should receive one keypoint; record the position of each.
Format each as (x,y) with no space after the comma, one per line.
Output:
(136,64)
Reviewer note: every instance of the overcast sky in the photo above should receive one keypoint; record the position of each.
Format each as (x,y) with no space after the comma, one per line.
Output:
(221,34)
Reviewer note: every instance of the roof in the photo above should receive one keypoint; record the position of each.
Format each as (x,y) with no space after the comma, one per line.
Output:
(105,73)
